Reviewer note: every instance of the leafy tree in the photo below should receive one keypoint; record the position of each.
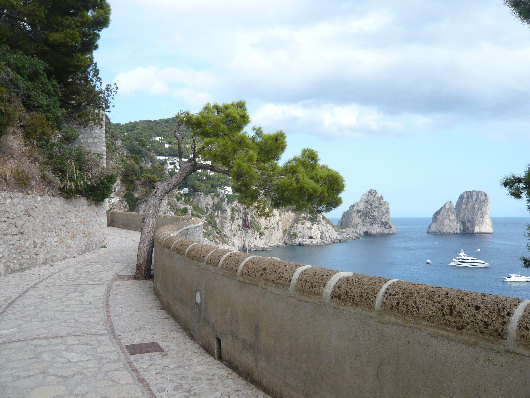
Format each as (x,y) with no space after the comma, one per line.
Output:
(26,77)
(519,187)
(148,129)
(220,144)
(63,34)
(203,182)
(47,74)
(521,8)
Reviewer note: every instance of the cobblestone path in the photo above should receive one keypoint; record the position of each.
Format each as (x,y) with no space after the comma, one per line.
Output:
(65,328)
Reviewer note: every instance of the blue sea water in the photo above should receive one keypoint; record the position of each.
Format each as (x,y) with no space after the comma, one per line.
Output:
(403,256)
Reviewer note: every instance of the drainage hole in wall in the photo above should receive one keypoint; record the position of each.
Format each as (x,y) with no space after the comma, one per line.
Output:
(218,353)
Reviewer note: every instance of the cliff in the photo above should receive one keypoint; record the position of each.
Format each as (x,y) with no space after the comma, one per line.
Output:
(369,216)
(223,216)
(470,216)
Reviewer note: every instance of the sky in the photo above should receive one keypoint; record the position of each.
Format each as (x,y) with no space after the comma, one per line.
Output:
(418,100)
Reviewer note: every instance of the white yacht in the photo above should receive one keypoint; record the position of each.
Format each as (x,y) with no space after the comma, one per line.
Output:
(516,278)
(463,260)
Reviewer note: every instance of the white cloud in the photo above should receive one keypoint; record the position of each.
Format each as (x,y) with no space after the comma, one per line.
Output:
(398,62)
(336,120)
(155,80)
(194,99)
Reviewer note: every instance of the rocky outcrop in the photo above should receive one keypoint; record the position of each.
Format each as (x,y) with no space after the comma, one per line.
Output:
(369,216)
(470,216)
(472,210)
(444,221)
(223,216)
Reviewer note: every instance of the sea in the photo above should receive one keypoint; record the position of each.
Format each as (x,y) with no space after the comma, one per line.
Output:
(404,255)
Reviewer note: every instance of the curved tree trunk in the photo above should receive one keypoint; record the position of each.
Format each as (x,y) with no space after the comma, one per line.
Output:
(147,236)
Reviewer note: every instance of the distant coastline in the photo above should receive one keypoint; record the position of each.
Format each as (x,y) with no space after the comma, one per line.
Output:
(335,220)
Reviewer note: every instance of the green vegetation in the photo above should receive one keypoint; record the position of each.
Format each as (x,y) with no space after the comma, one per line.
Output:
(79,171)
(24,79)
(141,149)
(203,182)
(22,178)
(47,76)
(252,162)
(221,145)
(139,137)
(519,187)
(63,35)
(521,8)
(210,221)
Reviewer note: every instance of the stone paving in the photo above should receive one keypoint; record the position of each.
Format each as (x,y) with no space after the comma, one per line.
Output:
(64,328)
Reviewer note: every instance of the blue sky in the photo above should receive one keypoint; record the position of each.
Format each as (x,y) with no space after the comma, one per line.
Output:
(419,100)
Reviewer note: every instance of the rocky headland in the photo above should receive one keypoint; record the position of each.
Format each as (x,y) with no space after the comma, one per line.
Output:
(369,216)
(470,216)
(223,216)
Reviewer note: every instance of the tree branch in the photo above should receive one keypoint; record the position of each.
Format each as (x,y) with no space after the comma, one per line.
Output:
(211,167)
(179,139)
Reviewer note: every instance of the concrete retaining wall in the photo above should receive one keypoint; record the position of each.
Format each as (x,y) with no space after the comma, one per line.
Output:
(133,221)
(301,331)
(35,230)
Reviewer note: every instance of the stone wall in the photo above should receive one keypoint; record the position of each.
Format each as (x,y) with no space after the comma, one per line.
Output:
(37,230)
(133,221)
(92,137)
(302,331)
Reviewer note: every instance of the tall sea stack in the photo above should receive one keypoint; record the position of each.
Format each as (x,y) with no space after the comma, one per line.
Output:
(471,216)
(369,216)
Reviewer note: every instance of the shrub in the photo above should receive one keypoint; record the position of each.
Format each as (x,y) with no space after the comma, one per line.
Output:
(79,171)
(9,110)
(22,178)
(69,135)
(26,78)
(37,130)
(130,199)
(100,189)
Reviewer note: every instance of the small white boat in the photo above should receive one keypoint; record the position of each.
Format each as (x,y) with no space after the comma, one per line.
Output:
(516,278)
(463,260)
(428,262)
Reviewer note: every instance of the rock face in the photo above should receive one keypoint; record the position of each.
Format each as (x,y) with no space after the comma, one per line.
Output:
(471,216)
(369,216)
(223,224)
(444,221)
(472,210)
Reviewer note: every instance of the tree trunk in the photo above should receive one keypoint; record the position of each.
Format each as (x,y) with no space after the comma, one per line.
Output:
(147,236)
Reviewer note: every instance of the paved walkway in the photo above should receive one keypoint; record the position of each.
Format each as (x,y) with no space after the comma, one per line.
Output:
(64,329)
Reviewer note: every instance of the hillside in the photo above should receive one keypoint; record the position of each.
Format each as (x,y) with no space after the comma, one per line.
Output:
(149,146)
(157,136)
(50,92)
(146,152)
(223,216)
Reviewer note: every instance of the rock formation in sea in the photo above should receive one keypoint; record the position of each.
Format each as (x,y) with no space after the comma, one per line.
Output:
(444,221)
(369,216)
(470,216)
